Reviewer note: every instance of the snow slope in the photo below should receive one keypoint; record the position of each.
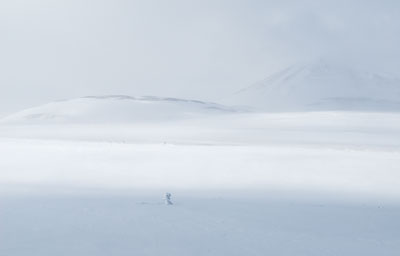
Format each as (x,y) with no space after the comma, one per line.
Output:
(116,108)
(321,86)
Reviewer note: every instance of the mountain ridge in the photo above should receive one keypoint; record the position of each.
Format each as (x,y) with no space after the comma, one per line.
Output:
(117,108)
(320,85)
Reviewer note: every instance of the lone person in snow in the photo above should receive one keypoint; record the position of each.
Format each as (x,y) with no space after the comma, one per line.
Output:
(168,199)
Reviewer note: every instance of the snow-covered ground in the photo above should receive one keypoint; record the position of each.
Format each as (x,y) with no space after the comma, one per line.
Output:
(195,225)
(315,183)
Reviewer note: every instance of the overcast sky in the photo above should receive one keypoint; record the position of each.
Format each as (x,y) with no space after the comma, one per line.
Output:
(56,49)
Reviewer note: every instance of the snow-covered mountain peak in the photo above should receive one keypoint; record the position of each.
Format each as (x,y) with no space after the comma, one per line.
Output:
(321,85)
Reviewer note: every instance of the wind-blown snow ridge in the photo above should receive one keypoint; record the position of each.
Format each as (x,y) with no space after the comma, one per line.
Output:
(118,108)
(150,98)
(321,86)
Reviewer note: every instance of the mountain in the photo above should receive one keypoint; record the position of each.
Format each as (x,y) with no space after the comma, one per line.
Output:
(117,108)
(320,86)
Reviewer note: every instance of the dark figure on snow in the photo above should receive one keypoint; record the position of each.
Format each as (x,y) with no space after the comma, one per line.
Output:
(168,199)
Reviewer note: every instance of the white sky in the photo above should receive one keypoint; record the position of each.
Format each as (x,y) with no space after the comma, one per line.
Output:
(206,49)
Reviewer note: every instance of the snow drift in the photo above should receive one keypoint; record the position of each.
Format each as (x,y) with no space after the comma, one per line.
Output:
(321,86)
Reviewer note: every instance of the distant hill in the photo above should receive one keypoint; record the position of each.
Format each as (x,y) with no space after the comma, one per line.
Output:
(321,86)
(116,108)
